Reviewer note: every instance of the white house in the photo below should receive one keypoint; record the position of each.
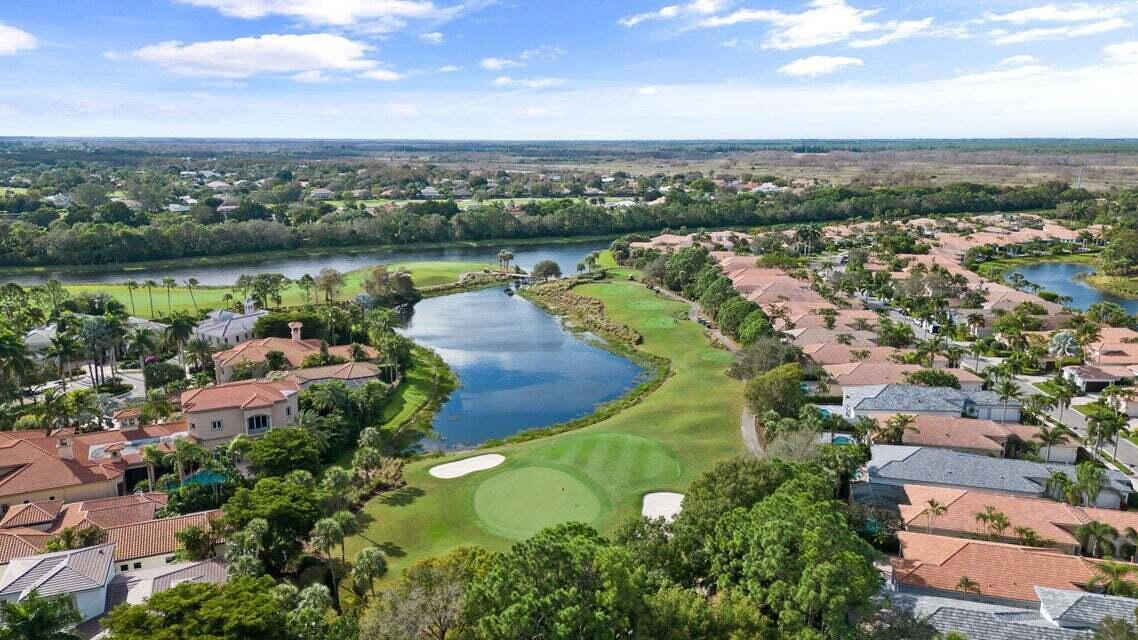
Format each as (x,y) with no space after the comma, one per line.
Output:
(80,574)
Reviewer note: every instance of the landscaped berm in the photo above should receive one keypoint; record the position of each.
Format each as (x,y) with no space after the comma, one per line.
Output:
(598,475)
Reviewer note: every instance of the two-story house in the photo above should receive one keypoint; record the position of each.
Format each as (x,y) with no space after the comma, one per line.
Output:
(215,415)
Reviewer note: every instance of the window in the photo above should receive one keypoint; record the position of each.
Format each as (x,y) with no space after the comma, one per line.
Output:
(124,567)
(288,411)
(258,423)
(216,425)
(193,427)
(171,559)
(138,565)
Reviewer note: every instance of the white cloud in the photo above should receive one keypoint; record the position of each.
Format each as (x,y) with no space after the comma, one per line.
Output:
(534,112)
(813,66)
(497,64)
(376,16)
(547,51)
(449,68)
(669,12)
(271,53)
(823,22)
(401,110)
(896,30)
(1003,75)
(1077,12)
(434,37)
(1001,36)
(383,75)
(527,83)
(1018,61)
(312,76)
(1122,52)
(13,40)
(650,90)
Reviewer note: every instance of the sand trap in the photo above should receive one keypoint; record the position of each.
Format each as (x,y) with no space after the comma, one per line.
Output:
(661,504)
(469,465)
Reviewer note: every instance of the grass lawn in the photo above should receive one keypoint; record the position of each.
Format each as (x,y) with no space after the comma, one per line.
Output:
(424,274)
(5,191)
(596,474)
(1121,286)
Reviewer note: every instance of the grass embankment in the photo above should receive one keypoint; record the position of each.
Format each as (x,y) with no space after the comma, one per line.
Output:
(1120,286)
(995,269)
(597,474)
(423,274)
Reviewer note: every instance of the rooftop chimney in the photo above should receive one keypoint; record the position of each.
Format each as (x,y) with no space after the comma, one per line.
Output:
(294,327)
(63,449)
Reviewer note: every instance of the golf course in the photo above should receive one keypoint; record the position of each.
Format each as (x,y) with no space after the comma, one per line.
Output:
(182,298)
(597,474)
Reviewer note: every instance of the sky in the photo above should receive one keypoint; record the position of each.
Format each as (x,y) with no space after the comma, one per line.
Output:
(569,69)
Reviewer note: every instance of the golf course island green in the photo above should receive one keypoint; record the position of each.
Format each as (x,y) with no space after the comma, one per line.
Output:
(598,474)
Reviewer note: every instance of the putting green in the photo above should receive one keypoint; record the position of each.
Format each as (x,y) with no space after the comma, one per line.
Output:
(661,322)
(518,503)
(647,305)
(718,356)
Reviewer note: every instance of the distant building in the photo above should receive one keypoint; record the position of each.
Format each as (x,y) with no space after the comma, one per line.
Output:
(430,193)
(322,194)
(224,327)
(217,414)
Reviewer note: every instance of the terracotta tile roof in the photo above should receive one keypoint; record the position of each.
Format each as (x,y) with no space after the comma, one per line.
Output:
(868,372)
(963,433)
(17,543)
(31,514)
(1055,521)
(243,394)
(26,467)
(1002,570)
(155,537)
(824,353)
(295,351)
(346,372)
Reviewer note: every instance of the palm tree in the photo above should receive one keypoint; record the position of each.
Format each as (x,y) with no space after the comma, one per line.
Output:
(190,284)
(1058,484)
(153,457)
(1088,481)
(1029,537)
(169,283)
(63,349)
(894,429)
(306,284)
(36,618)
(369,565)
(185,454)
(1051,436)
(934,509)
(1008,390)
(326,535)
(131,285)
(504,259)
(16,364)
(349,525)
(141,343)
(1063,391)
(967,585)
(200,352)
(53,410)
(1094,534)
(337,481)
(150,285)
(1112,577)
(181,327)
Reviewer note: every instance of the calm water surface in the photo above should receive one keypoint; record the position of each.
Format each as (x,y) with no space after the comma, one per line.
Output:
(1061,277)
(567,255)
(517,367)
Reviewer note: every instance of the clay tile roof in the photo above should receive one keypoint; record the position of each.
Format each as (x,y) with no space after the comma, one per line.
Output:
(154,537)
(246,393)
(17,543)
(31,514)
(294,351)
(1001,570)
(962,433)
(26,467)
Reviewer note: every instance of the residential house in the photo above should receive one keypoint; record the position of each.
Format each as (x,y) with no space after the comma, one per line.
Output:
(322,194)
(136,587)
(295,349)
(824,353)
(1005,574)
(1054,523)
(430,193)
(1090,378)
(81,575)
(887,399)
(898,465)
(219,186)
(217,414)
(225,328)
(352,374)
(855,374)
(1062,615)
(154,543)
(979,437)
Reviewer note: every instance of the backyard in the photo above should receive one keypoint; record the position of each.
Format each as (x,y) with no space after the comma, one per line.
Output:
(597,474)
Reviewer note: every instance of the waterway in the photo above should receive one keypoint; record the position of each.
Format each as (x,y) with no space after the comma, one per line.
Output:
(517,366)
(1063,278)
(566,254)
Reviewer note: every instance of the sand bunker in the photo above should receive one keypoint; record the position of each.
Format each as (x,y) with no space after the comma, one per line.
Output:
(662,504)
(469,465)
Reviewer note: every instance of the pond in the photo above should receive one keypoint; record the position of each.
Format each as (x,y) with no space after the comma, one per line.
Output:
(565,254)
(518,368)
(1062,278)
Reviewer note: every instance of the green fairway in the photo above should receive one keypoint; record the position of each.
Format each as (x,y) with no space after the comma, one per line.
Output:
(424,274)
(597,474)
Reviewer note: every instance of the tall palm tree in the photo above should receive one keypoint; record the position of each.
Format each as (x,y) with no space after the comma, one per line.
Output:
(141,343)
(181,327)
(53,410)
(369,565)
(1063,391)
(1007,390)
(895,428)
(504,259)
(153,457)
(185,454)
(326,535)
(169,284)
(16,363)
(1088,481)
(1095,534)
(1051,436)
(933,510)
(1112,577)
(131,285)
(349,525)
(967,585)
(190,284)
(200,352)
(150,285)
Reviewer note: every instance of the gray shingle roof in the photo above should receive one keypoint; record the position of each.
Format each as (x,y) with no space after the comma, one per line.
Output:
(58,573)
(927,465)
(911,397)
(1078,610)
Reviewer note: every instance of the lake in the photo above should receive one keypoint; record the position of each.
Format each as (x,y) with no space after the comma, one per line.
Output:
(517,366)
(567,255)
(1062,278)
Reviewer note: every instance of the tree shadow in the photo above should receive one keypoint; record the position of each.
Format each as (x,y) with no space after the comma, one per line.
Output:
(401,497)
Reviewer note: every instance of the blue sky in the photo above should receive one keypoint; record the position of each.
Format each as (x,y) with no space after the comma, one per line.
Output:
(569,69)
